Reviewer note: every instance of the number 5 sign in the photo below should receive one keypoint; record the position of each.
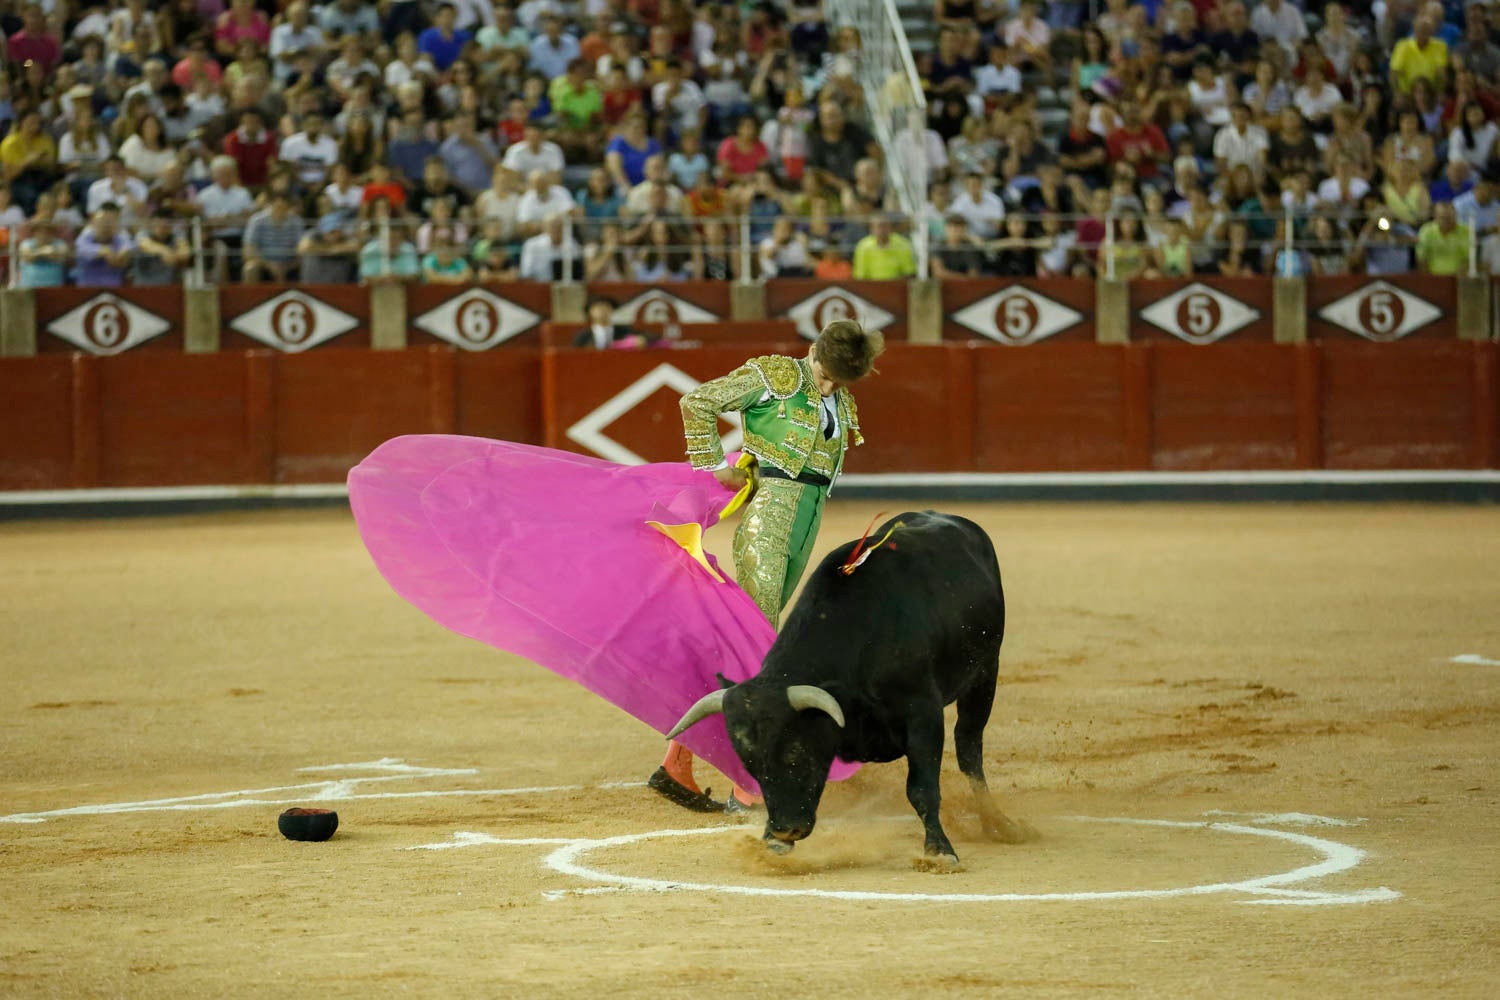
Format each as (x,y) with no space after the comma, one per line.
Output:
(1199,314)
(1381,312)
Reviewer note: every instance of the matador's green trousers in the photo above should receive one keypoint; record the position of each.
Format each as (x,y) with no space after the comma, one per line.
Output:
(775,539)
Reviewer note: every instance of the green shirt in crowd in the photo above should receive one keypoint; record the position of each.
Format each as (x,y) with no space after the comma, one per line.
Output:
(873,262)
(1443,253)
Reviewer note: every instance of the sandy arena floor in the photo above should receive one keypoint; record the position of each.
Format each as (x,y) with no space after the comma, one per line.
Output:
(1163,664)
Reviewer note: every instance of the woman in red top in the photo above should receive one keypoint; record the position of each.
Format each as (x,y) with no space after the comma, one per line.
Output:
(239,23)
(743,153)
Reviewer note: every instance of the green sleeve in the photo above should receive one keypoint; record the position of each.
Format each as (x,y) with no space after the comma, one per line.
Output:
(701,409)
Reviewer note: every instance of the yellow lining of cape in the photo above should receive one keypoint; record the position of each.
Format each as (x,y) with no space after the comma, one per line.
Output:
(690,537)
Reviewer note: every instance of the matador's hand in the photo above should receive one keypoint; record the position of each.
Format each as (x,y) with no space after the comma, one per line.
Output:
(732,478)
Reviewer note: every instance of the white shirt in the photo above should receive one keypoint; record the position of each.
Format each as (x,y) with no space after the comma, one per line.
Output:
(1210,102)
(983,216)
(313,157)
(145,162)
(347,200)
(1285,25)
(1235,148)
(538,255)
(1478,155)
(287,40)
(220,203)
(102,191)
(536,209)
(1328,191)
(523,161)
(397,72)
(685,105)
(997,80)
(1317,105)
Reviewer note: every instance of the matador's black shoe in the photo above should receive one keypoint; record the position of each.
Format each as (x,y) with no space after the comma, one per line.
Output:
(673,790)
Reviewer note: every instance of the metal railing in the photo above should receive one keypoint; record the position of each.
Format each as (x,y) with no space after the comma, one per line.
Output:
(747,248)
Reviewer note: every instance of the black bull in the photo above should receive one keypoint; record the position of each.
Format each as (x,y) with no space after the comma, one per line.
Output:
(862,670)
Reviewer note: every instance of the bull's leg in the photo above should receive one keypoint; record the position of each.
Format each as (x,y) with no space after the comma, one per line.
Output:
(924,764)
(974,707)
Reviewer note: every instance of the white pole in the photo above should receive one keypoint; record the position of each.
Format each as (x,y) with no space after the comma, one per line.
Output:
(385,246)
(567,247)
(196,231)
(1473,249)
(14,248)
(1109,244)
(1286,268)
(746,266)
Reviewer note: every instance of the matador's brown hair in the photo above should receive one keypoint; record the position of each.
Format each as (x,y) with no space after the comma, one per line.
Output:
(847,351)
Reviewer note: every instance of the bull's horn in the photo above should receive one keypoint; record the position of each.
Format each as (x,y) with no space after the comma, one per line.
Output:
(710,704)
(805,696)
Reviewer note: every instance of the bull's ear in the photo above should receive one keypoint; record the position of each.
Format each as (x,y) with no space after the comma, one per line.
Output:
(724,682)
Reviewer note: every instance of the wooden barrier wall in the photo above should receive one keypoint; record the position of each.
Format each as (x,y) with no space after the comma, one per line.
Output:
(1016,380)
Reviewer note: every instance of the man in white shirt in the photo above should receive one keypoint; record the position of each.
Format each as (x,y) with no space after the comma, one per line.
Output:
(542,200)
(681,98)
(533,153)
(117,187)
(312,151)
(640,200)
(543,256)
(1241,142)
(225,207)
(1279,21)
(293,36)
(1000,75)
(981,208)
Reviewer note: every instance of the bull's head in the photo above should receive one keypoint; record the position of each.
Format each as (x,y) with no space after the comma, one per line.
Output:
(787,738)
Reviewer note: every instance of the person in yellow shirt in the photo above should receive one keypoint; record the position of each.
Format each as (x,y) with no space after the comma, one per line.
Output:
(883,255)
(1420,56)
(28,161)
(1443,244)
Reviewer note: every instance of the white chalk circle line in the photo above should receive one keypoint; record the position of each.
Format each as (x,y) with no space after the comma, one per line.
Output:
(567,859)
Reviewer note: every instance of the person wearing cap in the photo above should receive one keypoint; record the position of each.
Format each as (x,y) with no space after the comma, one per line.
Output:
(884,255)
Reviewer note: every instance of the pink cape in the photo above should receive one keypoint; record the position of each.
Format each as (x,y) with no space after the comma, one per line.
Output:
(547,555)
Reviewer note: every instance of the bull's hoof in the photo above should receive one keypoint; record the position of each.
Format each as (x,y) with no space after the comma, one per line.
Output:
(779,846)
(1009,831)
(673,790)
(937,863)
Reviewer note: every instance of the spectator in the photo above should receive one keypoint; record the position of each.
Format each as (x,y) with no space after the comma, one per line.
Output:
(685,166)
(292,36)
(606,259)
(146,152)
(740,155)
(1411,144)
(535,153)
(662,255)
(543,256)
(679,99)
(82,151)
(355,17)
(602,331)
(1349,140)
(197,64)
(959,255)
(252,148)
(835,146)
(1419,57)
(579,106)
(1081,151)
(1241,143)
(1479,209)
(1140,144)
(552,51)
(783,253)
(443,43)
(241,23)
(1337,42)
(1293,148)
(1029,34)
(658,182)
(542,200)
(271,241)
(1267,94)
(951,72)
(103,250)
(411,65)
(628,152)
(28,157)
(1184,45)
(883,255)
(118,188)
(1443,243)
(1317,98)
(312,152)
(160,253)
(470,157)
(388,258)
(444,265)
(411,148)
(34,43)
(1473,141)
(327,254)
(44,257)
(1278,21)
(1237,45)
(435,185)
(504,33)
(981,208)
(1405,195)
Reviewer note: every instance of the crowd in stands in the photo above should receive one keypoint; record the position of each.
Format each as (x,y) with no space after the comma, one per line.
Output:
(660,140)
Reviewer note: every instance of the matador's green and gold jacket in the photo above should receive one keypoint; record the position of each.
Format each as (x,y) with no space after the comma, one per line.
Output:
(782,423)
